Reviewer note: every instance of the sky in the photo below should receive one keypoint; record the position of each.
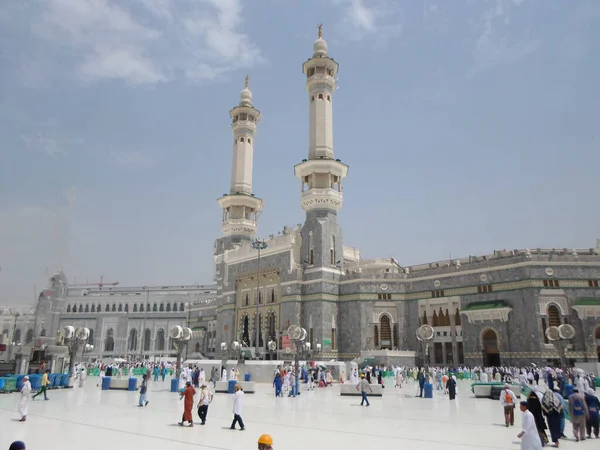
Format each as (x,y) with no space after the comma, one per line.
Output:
(468,125)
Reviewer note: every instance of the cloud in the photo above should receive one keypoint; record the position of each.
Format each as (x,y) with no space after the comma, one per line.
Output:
(50,141)
(142,41)
(497,42)
(369,18)
(133,159)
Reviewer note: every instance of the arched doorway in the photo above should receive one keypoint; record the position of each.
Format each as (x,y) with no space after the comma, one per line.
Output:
(598,342)
(385,331)
(490,348)
(246,330)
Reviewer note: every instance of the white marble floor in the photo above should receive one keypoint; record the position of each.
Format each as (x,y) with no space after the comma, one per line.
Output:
(91,419)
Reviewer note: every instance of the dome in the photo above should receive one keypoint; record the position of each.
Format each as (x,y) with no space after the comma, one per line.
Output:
(320,47)
(246,96)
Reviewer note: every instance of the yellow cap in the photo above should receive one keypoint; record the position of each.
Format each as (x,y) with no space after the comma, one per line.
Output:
(265,439)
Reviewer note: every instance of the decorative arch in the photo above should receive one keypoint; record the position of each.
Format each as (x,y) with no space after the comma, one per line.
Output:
(245,329)
(154,308)
(168,307)
(93,308)
(160,340)
(553,313)
(161,308)
(385,331)
(133,340)
(271,326)
(174,307)
(147,339)
(489,337)
(80,308)
(87,308)
(109,341)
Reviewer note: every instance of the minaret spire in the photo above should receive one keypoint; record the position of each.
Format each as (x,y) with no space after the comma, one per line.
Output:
(240,206)
(320,27)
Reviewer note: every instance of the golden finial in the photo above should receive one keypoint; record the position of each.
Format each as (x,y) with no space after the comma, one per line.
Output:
(320,27)
(246,81)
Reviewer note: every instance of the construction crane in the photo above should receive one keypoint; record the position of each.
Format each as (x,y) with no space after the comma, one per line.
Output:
(102,283)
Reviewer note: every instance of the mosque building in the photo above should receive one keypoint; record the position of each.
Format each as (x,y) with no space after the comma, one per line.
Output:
(485,310)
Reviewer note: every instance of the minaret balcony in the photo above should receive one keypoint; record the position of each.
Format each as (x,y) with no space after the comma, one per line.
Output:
(321,165)
(238,227)
(322,199)
(241,199)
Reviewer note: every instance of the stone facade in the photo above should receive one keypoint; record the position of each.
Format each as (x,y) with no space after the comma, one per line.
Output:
(491,309)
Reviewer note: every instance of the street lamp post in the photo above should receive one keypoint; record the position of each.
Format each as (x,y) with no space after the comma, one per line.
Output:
(258,244)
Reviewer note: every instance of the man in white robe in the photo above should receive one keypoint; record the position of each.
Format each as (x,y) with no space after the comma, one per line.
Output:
(530,438)
(25,397)
(182,379)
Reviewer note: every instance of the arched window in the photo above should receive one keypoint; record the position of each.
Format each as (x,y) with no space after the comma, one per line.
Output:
(109,341)
(434,320)
(135,309)
(197,347)
(247,301)
(114,307)
(107,308)
(80,308)
(91,337)
(68,308)
(457,318)
(259,298)
(17,336)
(43,332)
(271,327)
(162,307)
(182,307)
(246,330)
(174,307)
(142,307)
(168,307)
(126,307)
(133,338)
(147,340)
(272,295)
(87,308)
(385,332)
(424,320)
(155,308)
(99,308)
(29,336)
(93,308)
(553,316)
(160,340)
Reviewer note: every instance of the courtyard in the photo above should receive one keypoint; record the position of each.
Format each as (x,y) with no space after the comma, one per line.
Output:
(91,419)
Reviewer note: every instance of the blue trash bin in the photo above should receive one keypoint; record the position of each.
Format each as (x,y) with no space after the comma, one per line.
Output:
(1,384)
(247,377)
(36,381)
(428,390)
(132,386)
(64,380)
(231,386)
(105,383)
(174,384)
(20,382)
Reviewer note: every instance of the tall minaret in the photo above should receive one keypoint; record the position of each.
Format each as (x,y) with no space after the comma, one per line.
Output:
(240,206)
(321,175)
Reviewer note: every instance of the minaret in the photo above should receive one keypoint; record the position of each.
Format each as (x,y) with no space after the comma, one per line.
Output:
(321,175)
(240,206)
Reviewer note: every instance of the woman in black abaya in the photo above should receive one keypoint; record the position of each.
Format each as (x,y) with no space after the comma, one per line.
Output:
(535,407)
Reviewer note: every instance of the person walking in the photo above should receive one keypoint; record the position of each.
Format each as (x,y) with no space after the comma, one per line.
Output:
(25,397)
(206,398)
(579,414)
(188,403)
(238,407)
(593,404)
(552,406)
(508,400)
(362,386)
(45,383)
(143,389)
(530,438)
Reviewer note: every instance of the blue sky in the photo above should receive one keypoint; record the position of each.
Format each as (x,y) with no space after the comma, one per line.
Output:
(468,125)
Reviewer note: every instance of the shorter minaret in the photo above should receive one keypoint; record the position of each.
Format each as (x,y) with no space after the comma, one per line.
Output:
(240,206)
